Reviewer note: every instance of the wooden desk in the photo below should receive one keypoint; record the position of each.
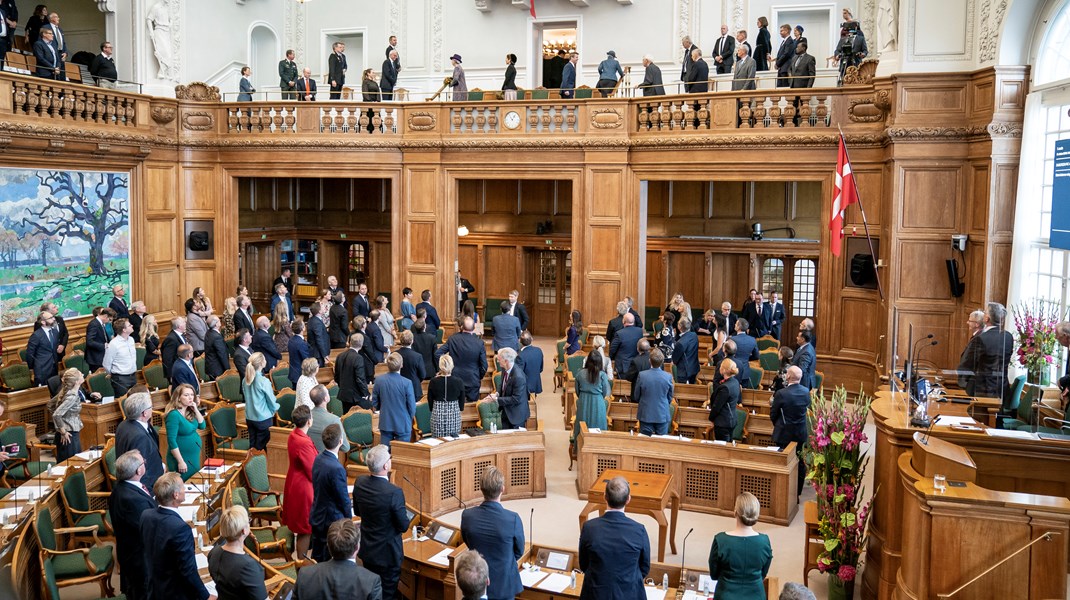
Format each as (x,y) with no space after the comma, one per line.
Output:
(452,470)
(707,476)
(651,493)
(421,578)
(98,420)
(29,406)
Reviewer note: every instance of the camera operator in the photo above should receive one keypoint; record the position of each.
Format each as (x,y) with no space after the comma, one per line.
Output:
(851,49)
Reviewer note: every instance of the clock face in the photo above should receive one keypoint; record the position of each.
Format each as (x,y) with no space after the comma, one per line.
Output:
(512,119)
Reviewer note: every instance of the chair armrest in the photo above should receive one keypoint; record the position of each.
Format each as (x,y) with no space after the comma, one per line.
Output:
(1060,423)
(99,494)
(75,511)
(84,529)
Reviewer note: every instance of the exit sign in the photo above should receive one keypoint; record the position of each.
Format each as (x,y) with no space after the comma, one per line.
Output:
(549,242)
(343,236)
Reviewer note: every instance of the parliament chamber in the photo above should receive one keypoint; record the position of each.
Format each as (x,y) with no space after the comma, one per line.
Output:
(560,204)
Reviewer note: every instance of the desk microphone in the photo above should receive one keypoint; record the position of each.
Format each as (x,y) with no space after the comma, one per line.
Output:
(929,431)
(531,527)
(683,551)
(458,498)
(418,491)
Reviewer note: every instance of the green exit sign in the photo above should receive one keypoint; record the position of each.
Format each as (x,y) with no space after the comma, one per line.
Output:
(549,242)
(263,236)
(343,236)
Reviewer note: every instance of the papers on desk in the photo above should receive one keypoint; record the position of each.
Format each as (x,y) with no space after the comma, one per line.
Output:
(430,442)
(530,577)
(202,560)
(89,455)
(58,471)
(442,558)
(654,593)
(29,491)
(195,488)
(671,437)
(210,586)
(9,514)
(1010,433)
(463,436)
(107,399)
(715,442)
(693,595)
(555,583)
(188,512)
(951,420)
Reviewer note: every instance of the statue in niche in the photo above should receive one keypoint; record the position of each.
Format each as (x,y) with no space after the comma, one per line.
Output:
(888,25)
(159,23)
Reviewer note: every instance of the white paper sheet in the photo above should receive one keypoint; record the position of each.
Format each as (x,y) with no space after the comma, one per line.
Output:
(654,593)
(202,560)
(188,513)
(29,491)
(1008,433)
(89,455)
(107,399)
(950,420)
(430,442)
(555,583)
(594,430)
(210,586)
(530,578)
(442,558)
(692,595)
(59,471)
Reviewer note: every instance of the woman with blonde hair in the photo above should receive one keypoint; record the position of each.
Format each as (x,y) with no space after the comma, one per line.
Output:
(260,402)
(726,395)
(230,306)
(445,397)
(307,381)
(150,338)
(66,409)
(235,573)
(740,559)
(386,321)
(283,330)
(182,419)
(598,345)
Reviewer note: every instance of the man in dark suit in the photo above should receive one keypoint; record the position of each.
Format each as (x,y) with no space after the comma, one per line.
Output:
(616,323)
(59,38)
(170,344)
(339,327)
(727,319)
(802,68)
(330,500)
(783,56)
(555,70)
(512,398)
(472,574)
(517,310)
(614,550)
(788,415)
(263,343)
(806,359)
(758,318)
(724,51)
(242,350)
(530,359)
(306,86)
(381,508)
(392,396)
(298,350)
(96,339)
(392,46)
(243,318)
(507,329)
(61,333)
(433,322)
(128,500)
(988,359)
(183,371)
(687,60)
(651,84)
(118,303)
(425,344)
(9,20)
(640,363)
(698,75)
(362,306)
(685,355)
(288,76)
(654,392)
(340,577)
(412,364)
(624,346)
(49,64)
(498,535)
(807,324)
(373,338)
(137,433)
(319,341)
(336,70)
(746,351)
(568,76)
(389,77)
(464,288)
(351,375)
(776,315)
(469,358)
(216,357)
(286,279)
(41,357)
(334,288)
(168,545)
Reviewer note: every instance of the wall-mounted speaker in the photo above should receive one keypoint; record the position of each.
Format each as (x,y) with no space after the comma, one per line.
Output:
(958,287)
(861,268)
(200,244)
(199,241)
(862,272)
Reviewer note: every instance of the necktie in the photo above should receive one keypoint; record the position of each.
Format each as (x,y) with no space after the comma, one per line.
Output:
(51,342)
(505,380)
(759,309)
(145,489)
(306,85)
(59,37)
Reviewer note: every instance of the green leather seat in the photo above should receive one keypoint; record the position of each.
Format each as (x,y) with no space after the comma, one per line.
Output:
(100,383)
(357,426)
(423,420)
(17,377)
(154,376)
(229,387)
(287,399)
(741,424)
(19,465)
(223,425)
(489,412)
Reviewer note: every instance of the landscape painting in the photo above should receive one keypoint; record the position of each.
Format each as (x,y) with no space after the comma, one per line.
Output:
(64,238)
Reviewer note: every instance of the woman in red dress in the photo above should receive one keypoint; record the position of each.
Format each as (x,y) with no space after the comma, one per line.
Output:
(297,493)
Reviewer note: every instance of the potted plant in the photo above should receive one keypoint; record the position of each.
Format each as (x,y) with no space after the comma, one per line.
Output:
(835,466)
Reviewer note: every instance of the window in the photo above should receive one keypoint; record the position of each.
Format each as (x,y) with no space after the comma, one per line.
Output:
(547,277)
(804,290)
(772,276)
(1053,59)
(568,279)
(358,269)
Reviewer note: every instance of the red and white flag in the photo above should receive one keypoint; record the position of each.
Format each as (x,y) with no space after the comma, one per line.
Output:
(532,9)
(845,194)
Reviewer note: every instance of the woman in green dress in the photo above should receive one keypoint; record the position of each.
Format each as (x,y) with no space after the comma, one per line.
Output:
(182,419)
(740,559)
(592,387)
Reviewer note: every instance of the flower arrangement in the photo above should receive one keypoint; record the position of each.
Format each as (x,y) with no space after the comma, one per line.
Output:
(835,467)
(1034,322)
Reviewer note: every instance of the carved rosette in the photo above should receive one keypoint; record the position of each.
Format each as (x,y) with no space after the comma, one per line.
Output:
(164,114)
(198,91)
(606,118)
(1002,129)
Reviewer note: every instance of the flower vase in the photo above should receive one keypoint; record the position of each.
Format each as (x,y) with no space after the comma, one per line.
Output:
(840,589)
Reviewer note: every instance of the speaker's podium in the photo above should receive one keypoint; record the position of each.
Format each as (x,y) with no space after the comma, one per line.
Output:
(967,541)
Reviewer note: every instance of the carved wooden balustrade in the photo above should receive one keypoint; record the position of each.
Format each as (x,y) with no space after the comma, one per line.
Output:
(57,100)
(721,110)
(312,118)
(532,117)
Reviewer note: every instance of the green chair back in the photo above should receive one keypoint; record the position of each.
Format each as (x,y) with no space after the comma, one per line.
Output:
(358,428)
(140,350)
(584,334)
(423,418)
(80,347)
(575,363)
(561,352)
(756,378)
(440,334)
(239,496)
(256,473)
(280,378)
(101,384)
(1013,402)
(154,377)
(584,93)
(334,406)
(22,354)
(489,413)
(651,314)
(658,326)
(15,434)
(332,390)
(198,363)
(819,378)
(46,533)
(229,387)
(287,400)
(770,361)
(74,492)
(498,382)
(230,342)
(766,342)
(540,94)
(16,377)
(50,580)
(741,424)
(109,461)
(224,421)
(76,360)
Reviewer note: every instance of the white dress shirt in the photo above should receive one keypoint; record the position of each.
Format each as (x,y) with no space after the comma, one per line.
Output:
(120,357)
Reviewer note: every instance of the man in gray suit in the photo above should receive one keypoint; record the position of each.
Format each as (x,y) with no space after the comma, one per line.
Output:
(744,71)
(339,577)
(321,418)
(651,85)
(654,394)
(803,68)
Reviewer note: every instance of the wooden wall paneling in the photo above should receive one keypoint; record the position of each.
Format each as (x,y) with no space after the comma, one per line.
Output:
(657,278)
(931,196)
(978,193)
(468,259)
(423,218)
(942,322)
(607,225)
(923,275)
(870,183)
(502,275)
(381,273)
(770,203)
(685,277)
(158,234)
(502,196)
(861,324)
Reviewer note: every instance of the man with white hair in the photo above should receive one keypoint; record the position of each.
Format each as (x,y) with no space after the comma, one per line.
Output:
(796,591)
(788,415)
(651,85)
(381,508)
(169,347)
(987,360)
(512,396)
(128,500)
(744,71)
(616,323)
(137,433)
(118,302)
(169,548)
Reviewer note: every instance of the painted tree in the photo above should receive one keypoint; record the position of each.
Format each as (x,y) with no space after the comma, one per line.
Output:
(82,206)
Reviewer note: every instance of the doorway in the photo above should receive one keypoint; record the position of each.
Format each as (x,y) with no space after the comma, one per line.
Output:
(547,38)
(355,54)
(795,281)
(551,282)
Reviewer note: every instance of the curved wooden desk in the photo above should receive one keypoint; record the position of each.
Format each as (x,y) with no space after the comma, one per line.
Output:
(449,473)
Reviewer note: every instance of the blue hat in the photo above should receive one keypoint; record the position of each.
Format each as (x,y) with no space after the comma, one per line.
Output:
(456,57)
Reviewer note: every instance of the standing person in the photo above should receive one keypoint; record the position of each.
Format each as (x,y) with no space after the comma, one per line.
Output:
(507,329)
(651,84)
(744,72)
(762,45)
(306,382)
(464,288)
(412,364)
(517,309)
(609,72)
(408,309)
(509,86)
(330,501)
(654,392)
(987,360)
(230,309)
(297,493)
(49,63)
(32,30)
(339,325)
(137,433)
(497,534)
(128,499)
(724,51)
(640,363)
(557,67)
(758,317)
(803,67)
(806,359)
(120,359)
(573,333)
(784,54)
(182,419)
(336,69)
(103,67)
(339,577)
(260,402)
(472,574)
(614,550)
(66,410)
(235,573)
(282,321)
(41,356)
(389,78)
(319,341)
(392,46)
(698,75)
(243,316)
(169,547)
(288,76)
(568,76)
(530,359)
(592,389)
(469,358)
(150,338)
(776,313)
(788,415)
(392,396)
(381,508)
(96,339)
(457,81)
(263,344)
(216,357)
(425,344)
(323,418)
(305,88)
(183,371)
(386,322)
(351,374)
(9,20)
(512,396)
(298,351)
(685,356)
(726,395)
(625,344)
(242,350)
(666,336)
(445,398)
(740,559)
(245,87)
(431,313)
(196,327)
(687,60)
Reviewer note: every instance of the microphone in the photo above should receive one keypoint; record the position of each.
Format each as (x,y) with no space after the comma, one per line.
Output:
(531,528)
(458,498)
(913,359)
(418,490)
(928,432)
(683,551)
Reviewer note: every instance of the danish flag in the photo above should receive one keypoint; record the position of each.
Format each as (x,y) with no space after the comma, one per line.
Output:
(846,194)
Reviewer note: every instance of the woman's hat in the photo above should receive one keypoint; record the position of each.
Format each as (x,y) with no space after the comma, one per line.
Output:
(456,57)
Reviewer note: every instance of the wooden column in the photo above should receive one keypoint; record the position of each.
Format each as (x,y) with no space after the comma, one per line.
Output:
(605,234)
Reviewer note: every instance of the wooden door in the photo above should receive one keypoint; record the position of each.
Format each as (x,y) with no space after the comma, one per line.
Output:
(795,279)
(551,287)
(259,268)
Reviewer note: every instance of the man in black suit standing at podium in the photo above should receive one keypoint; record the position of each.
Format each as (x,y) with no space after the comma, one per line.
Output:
(788,415)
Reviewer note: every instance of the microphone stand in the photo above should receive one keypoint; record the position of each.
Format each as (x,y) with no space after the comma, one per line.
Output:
(683,553)
(531,528)
(418,491)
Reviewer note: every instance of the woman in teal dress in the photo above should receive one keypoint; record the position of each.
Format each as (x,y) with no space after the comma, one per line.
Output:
(740,559)
(592,387)
(182,419)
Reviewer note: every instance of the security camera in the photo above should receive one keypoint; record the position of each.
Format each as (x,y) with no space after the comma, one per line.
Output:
(958,242)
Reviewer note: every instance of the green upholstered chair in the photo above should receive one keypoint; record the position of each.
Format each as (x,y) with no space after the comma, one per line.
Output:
(76,500)
(198,365)
(489,412)
(100,382)
(584,93)
(266,541)
(22,354)
(154,376)
(766,342)
(739,434)
(476,95)
(75,566)
(287,400)
(574,363)
(540,94)
(53,589)
(80,347)
(1013,406)
(76,360)
(19,466)
(819,379)
(422,421)
(139,349)
(756,375)
(357,426)
(770,360)
(584,334)
(223,426)
(559,365)
(280,376)
(109,463)
(17,377)
(334,405)
(264,504)
(492,307)
(440,334)
(657,327)
(497,379)
(230,342)
(229,386)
